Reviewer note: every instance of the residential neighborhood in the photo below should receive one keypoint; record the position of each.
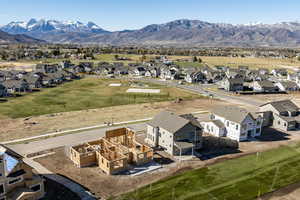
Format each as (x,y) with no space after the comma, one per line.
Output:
(150,100)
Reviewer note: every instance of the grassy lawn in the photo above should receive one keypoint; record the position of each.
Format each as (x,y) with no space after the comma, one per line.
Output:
(243,178)
(84,94)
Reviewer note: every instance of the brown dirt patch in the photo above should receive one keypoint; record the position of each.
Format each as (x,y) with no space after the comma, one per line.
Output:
(32,126)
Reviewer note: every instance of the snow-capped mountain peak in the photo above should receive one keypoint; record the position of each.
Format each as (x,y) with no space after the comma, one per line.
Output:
(43,25)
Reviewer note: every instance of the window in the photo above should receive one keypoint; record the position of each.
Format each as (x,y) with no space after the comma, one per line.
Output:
(257,123)
(285,124)
(16,180)
(258,130)
(227,123)
(36,188)
(278,122)
(237,127)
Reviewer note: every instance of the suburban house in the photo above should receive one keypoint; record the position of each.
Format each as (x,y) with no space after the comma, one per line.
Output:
(176,134)
(233,122)
(47,68)
(287,86)
(263,71)
(195,77)
(13,86)
(17,180)
(279,72)
(233,84)
(264,86)
(33,81)
(283,115)
(168,74)
(139,71)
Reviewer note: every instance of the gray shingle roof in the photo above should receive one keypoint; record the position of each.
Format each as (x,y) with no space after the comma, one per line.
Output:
(218,123)
(266,84)
(283,106)
(289,84)
(169,121)
(232,113)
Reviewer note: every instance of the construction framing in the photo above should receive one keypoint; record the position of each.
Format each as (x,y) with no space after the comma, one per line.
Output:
(114,153)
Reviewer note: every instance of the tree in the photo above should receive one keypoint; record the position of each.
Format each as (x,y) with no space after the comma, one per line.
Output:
(195,59)
(199,60)
(116,57)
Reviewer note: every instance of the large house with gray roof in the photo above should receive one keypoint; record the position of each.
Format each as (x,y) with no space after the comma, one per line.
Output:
(287,86)
(233,122)
(176,134)
(232,84)
(264,86)
(283,115)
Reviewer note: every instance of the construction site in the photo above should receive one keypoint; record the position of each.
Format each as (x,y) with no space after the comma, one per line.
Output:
(113,153)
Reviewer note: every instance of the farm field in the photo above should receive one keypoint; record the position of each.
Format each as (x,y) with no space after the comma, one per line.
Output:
(270,63)
(88,93)
(244,178)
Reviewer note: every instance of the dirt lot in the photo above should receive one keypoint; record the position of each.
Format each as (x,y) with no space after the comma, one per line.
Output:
(294,96)
(26,127)
(105,186)
(17,66)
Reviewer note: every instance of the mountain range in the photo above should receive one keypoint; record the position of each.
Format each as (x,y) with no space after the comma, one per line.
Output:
(182,32)
(6,38)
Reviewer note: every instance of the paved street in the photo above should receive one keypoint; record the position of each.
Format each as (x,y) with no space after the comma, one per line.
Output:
(245,100)
(66,140)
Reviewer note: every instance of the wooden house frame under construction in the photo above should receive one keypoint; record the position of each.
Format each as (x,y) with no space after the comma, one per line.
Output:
(113,153)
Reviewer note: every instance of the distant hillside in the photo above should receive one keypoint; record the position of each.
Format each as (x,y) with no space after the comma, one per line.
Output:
(8,38)
(179,32)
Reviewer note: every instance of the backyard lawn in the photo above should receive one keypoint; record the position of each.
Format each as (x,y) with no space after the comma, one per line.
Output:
(88,93)
(243,178)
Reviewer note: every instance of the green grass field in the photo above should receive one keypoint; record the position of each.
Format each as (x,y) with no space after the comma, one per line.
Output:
(84,94)
(243,178)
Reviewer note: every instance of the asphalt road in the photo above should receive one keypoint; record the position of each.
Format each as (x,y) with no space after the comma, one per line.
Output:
(67,140)
(201,89)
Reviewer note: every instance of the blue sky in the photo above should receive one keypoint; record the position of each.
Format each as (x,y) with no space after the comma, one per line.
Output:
(133,14)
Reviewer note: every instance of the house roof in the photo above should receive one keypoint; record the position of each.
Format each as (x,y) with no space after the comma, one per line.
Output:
(232,113)
(218,123)
(266,84)
(170,121)
(14,83)
(235,80)
(283,106)
(289,84)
